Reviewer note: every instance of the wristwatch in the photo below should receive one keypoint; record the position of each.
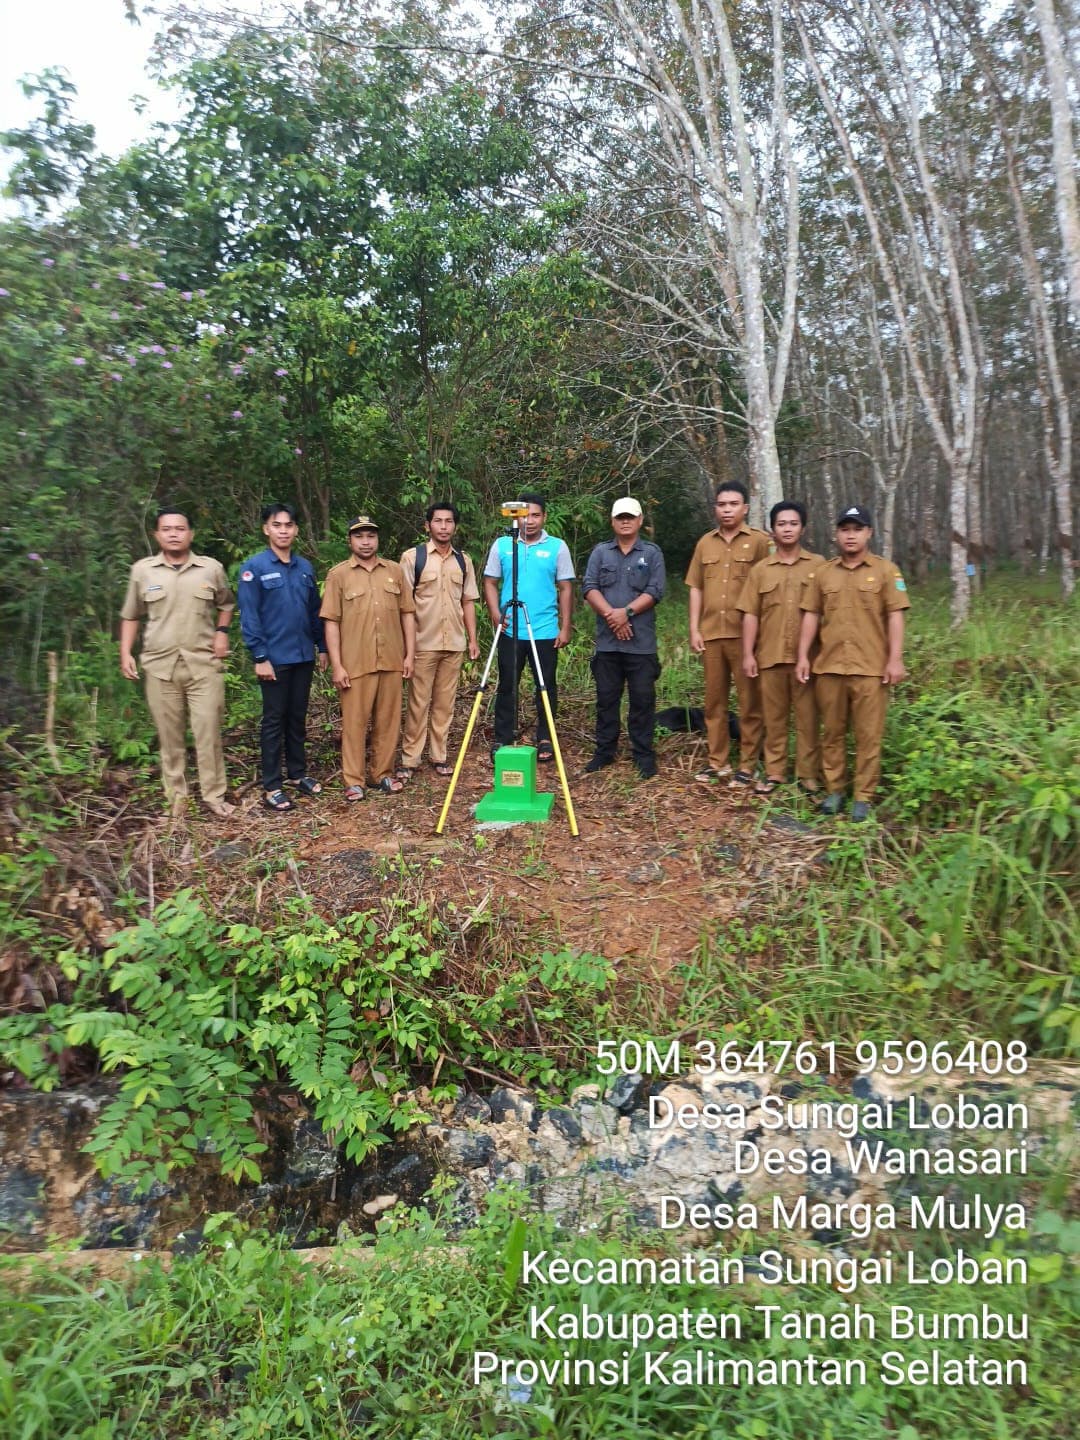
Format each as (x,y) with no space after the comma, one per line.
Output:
(629,615)
(222,629)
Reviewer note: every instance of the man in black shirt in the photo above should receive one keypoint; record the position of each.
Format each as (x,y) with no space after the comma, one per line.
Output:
(624,580)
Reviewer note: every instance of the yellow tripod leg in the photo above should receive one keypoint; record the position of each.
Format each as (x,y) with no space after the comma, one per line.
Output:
(559,764)
(460,761)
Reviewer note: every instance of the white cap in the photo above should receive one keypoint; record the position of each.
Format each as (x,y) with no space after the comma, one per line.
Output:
(625,506)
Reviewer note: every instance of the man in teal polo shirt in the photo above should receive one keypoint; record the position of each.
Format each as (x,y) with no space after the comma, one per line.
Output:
(546,586)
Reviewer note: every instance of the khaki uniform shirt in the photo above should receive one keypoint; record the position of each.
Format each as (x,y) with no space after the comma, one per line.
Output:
(439,598)
(368,605)
(854,604)
(180,610)
(772,592)
(718,568)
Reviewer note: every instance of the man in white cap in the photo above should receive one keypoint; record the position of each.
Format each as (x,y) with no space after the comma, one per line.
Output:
(624,582)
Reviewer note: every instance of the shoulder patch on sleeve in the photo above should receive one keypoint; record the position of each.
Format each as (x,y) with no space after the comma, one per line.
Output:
(900,585)
(247,575)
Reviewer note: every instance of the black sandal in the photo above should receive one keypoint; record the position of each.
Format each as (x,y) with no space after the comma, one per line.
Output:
(277,800)
(545,752)
(306,786)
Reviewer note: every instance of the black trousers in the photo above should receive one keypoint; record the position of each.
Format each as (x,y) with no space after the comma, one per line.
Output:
(284,717)
(612,669)
(506,699)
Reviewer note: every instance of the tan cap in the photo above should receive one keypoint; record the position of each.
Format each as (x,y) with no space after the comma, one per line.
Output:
(362,522)
(626,506)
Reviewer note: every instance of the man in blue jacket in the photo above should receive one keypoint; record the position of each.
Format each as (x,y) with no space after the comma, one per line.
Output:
(279,620)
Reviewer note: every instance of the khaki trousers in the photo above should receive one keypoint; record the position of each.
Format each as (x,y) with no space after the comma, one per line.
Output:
(781,694)
(723,663)
(196,695)
(432,692)
(371,701)
(865,699)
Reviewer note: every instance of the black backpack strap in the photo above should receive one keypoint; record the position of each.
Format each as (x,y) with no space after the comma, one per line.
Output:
(420,560)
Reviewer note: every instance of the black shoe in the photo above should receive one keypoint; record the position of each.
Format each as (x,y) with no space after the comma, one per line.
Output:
(598,762)
(646,768)
(860,810)
(832,804)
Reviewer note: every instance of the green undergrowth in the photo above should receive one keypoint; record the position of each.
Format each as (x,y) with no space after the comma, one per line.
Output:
(244,1340)
(953,915)
(194,1015)
(954,912)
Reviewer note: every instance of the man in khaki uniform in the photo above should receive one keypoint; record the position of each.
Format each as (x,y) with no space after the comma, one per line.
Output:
(186,604)
(718,568)
(445,594)
(856,603)
(367,612)
(771,620)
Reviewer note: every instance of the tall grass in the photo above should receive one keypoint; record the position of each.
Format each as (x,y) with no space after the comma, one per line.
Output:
(243,1340)
(956,913)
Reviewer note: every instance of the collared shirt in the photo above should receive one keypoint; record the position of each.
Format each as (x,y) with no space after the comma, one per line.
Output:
(718,568)
(772,592)
(368,606)
(541,565)
(439,597)
(853,602)
(279,609)
(180,608)
(621,578)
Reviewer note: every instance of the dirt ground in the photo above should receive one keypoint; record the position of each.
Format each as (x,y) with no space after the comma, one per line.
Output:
(657,866)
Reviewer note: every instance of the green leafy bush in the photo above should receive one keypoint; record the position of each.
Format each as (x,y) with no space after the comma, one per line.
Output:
(193,1014)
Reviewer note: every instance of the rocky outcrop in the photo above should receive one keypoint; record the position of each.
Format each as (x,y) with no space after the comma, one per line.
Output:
(602,1153)
(607,1146)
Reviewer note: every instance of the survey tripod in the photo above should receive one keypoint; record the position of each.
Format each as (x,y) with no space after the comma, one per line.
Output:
(515,510)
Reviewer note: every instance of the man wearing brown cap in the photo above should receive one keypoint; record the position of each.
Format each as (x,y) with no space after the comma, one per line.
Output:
(185,603)
(856,604)
(369,621)
(718,569)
